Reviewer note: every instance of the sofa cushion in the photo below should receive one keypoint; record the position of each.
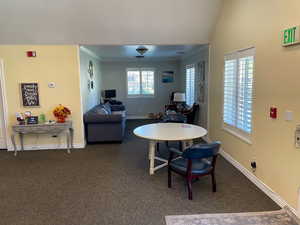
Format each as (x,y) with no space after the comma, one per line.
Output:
(123,113)
(117,108)
(93,117)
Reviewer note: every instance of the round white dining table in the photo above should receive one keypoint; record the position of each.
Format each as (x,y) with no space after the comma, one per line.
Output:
(157,132)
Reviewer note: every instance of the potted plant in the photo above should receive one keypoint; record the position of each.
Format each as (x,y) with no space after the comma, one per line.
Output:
(61,113)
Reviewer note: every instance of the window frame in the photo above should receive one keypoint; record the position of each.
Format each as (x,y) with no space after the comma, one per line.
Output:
(237,132)
(186,68)
(140,69)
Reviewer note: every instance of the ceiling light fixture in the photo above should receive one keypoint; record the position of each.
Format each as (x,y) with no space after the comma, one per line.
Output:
(142,50)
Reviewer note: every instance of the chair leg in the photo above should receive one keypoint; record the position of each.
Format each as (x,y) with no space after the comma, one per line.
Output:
(157,149)
(180,146)
(169,178)
(189,185)
(213,179)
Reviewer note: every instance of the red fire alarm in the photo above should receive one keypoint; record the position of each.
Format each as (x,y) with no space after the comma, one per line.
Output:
(273,112)
(31,54)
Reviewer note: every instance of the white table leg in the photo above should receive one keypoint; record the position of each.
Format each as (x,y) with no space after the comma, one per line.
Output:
(68,141)
(152,158)
(14,143)
(152,145)
(187,144)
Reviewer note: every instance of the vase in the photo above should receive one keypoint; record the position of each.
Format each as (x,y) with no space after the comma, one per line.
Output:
(61,119)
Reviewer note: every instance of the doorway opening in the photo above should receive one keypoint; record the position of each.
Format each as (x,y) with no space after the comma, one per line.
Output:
(3,112)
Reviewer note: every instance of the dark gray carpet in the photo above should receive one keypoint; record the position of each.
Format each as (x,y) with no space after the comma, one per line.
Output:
(109,184)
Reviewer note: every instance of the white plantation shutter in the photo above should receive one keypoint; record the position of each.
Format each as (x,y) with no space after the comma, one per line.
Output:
(133,82)
(148,82)
(140,82)
(190,85)
(238,85)
(230,85)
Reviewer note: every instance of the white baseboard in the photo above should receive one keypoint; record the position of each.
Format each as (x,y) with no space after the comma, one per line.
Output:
(262,186)
(254,179)
(47,146)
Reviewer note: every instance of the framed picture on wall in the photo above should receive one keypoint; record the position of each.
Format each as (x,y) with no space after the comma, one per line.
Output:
(30,94)
(201,82)
(91,69)
(167,77)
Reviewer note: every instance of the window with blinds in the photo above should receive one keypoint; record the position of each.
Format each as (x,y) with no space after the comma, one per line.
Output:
(140,82)
(238,85)
(190,85)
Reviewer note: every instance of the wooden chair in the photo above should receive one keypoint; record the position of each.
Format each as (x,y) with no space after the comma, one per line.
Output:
(197,161)
(191,114)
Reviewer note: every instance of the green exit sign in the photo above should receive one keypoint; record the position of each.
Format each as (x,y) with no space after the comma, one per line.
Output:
(291,36)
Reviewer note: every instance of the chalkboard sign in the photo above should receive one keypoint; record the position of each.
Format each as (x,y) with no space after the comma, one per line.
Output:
(30,94)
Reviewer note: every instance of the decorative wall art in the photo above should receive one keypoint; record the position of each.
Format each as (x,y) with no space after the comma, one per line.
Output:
(167,77)
(201,84)
(30,94)
(91,69)
(91,82)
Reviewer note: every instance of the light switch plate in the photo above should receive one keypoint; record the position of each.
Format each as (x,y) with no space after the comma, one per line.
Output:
(288,115)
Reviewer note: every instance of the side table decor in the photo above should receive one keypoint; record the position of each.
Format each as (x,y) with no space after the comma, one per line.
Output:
(52,129)
(61,113)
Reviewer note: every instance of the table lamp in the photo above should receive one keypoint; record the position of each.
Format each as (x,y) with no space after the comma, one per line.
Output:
(179,99)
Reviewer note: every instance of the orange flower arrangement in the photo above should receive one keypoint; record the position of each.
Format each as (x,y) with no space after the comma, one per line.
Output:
(61,113)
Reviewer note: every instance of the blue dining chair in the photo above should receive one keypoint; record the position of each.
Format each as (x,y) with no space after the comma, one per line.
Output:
(196,161)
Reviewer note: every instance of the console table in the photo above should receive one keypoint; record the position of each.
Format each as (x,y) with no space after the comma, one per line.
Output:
(45,128)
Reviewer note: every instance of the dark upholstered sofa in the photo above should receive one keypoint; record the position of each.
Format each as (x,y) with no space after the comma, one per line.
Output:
(105,123)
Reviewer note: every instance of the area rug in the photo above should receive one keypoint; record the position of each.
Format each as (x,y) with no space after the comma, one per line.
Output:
(280,217)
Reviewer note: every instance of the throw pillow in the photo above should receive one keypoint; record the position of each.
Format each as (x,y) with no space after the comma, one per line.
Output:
(102,111)
(107,107)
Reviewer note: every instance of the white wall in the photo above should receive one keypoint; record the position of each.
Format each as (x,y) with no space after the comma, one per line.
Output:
(195,58)
(114,77)
(107,21)
(89,98)
(258,23)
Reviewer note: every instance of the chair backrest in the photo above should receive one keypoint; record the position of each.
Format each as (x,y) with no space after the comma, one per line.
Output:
(200,151)
(191,116)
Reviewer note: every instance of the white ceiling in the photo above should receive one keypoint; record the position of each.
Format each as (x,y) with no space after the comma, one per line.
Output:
(155,52)
(107,21)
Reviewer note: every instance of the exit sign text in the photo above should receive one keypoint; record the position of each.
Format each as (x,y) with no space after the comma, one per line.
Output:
(291,36)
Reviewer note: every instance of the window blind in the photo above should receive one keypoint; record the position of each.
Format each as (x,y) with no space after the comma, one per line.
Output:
(238,85)
(190,85)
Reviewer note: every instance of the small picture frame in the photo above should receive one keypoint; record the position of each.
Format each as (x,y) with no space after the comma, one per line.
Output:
(91,69)
(32,120)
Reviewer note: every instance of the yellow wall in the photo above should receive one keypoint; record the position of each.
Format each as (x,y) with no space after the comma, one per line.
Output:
(259,23)
(59,64)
